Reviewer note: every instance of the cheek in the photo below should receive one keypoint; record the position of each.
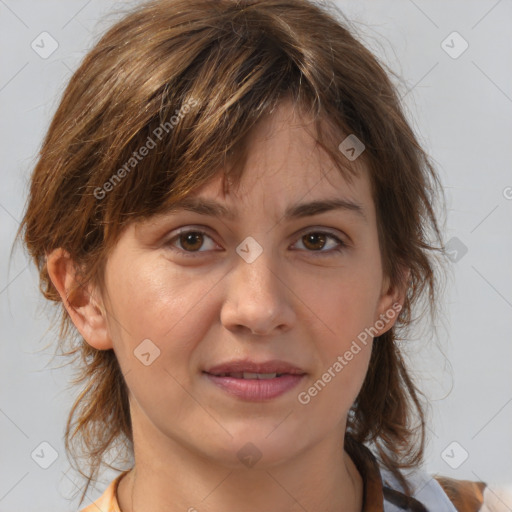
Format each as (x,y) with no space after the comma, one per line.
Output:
(343,337)
(345,355)
(149,299)
(331,393)
(343,310)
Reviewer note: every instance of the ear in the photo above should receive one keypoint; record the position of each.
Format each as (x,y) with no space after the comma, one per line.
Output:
(391,301)
(86,310)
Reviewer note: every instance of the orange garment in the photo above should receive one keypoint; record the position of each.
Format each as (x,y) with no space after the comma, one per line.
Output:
(107,502)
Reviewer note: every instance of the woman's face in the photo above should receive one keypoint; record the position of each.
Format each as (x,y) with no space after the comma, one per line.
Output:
(260,288)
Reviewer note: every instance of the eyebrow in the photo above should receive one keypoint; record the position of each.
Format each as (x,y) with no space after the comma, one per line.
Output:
(212,208)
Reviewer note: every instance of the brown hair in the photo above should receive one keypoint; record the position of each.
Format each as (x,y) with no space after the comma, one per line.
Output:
(231,62)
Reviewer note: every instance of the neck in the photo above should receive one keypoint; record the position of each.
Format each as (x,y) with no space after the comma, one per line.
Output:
(321,478)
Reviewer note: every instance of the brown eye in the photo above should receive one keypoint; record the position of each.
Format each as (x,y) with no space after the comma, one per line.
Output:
(191,240)
(316,241)
(189,243)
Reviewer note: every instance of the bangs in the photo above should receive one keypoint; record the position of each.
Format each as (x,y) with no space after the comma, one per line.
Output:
(166,141)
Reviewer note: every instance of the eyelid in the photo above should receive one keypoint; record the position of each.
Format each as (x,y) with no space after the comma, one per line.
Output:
(323,229)
(340,239)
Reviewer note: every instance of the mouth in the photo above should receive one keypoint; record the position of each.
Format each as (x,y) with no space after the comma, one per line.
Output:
(251,381)
(248,375)
(247,369)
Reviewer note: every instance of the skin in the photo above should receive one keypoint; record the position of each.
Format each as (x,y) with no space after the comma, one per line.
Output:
(292,303)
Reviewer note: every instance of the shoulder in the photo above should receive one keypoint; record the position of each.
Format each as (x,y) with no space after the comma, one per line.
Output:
(107,502)
(466,495)
(438,493)
(427,493)
(471,496)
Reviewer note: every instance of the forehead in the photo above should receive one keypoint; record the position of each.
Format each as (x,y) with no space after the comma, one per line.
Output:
(285,168)
(282,148)
(286,175)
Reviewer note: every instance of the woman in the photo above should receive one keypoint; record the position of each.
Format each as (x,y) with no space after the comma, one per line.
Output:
(234,215)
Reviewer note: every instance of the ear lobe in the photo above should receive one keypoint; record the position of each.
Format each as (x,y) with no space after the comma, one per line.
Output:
(86,312)
(392,300)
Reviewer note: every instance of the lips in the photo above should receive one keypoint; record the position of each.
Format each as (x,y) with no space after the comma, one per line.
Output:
(245,369)
(249,375)
(256,382)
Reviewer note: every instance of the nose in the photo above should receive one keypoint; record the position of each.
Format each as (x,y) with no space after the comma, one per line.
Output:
(257,298)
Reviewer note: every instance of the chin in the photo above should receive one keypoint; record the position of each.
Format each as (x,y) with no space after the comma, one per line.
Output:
(256,449)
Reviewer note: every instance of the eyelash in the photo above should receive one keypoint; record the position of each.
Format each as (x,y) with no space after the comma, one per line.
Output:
(320,253)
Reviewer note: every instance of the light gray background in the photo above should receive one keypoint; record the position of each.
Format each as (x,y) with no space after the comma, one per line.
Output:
(461,109)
